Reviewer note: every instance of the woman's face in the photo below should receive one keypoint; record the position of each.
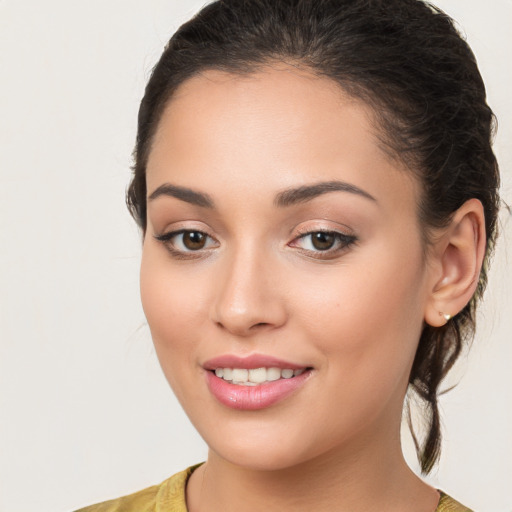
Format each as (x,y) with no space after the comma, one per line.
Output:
(281,236)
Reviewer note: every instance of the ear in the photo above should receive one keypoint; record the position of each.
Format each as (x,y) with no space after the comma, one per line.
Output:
(455,262)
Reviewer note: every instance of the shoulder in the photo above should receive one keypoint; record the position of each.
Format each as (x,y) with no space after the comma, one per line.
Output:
(448,504)
(168,496)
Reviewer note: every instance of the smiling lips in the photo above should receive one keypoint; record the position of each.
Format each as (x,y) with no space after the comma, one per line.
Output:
(253,383)
(255,376)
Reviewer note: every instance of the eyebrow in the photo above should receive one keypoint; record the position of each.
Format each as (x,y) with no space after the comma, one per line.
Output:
(185,194)
(305,193)
(283,199)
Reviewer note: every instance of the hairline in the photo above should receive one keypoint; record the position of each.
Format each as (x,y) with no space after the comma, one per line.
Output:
(378,113)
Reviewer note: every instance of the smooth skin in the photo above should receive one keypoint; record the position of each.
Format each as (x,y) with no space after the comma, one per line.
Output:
(248,275)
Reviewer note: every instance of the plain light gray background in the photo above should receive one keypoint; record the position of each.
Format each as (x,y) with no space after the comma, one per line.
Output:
(85,413)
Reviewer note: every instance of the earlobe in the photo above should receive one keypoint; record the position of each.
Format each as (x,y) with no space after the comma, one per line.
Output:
(459,254)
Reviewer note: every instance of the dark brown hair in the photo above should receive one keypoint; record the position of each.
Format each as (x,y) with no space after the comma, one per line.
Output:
(405,59)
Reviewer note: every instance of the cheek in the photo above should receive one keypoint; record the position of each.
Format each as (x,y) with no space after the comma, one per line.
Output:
(170,294)
(173,306)
(368,319)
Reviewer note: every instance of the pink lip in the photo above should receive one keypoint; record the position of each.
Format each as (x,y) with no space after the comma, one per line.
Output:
(252,398)
(249,362)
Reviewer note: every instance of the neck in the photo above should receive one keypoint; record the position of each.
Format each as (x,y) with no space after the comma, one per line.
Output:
(371,475)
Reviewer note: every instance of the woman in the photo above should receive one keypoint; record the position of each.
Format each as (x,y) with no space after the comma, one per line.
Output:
(318,197)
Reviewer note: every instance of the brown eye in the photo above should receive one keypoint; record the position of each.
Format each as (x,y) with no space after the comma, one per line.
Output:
(324,244)
(186,241)
(194,240)
(323,241)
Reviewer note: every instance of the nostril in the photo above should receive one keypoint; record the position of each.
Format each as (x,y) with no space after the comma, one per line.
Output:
(260,324)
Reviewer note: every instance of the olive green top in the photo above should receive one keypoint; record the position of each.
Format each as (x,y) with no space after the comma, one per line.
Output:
(169,496)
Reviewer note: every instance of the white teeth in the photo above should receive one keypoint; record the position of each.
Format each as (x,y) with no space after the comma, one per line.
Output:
(273,374)
(240,375)
(258,375)
(255,376)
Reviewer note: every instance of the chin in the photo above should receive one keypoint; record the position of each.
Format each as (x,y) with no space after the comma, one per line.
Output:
(261,447)
(257,458)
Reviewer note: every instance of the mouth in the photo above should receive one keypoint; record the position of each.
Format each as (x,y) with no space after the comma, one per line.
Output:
(254,382)
(256,376)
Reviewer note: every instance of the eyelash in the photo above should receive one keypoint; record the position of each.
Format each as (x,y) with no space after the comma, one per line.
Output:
(167,240)
(342,242)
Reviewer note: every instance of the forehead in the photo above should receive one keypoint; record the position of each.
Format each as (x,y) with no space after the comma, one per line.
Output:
(281,123)
(294,97)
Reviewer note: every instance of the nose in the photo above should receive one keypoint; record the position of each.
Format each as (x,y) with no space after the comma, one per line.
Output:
(247,297)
